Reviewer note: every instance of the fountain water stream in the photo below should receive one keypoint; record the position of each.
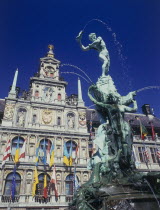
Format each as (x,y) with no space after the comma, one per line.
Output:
(67,72)
(77,68)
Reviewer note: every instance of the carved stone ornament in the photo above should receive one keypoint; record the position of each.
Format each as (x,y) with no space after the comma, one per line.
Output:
(8,113)
(82,118)
(47,116)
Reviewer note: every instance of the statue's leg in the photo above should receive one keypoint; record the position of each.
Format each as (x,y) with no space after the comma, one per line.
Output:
(105,61)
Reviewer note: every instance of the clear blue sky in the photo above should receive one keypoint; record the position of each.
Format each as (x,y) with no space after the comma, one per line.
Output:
(28,26)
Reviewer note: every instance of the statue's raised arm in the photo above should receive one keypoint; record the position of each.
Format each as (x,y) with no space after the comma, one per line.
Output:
(99,45)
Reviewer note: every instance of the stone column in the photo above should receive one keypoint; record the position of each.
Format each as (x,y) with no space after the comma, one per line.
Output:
(2,181)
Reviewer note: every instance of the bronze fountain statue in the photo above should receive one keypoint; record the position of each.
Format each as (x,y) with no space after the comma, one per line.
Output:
(115,183)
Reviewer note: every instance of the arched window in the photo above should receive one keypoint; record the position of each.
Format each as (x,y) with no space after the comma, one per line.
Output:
(51,74)
(58,121)
(8,184)
(40,185)
(44,148)
(74,146)
(36,93)
(17,140)
(59,97)
(70,184)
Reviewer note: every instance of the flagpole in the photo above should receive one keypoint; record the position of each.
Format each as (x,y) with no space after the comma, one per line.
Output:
(13,189)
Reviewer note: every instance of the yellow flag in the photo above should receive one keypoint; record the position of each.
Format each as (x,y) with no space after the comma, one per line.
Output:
(35,181)
(70,161)
(16,158)
(52,159)
(66,160)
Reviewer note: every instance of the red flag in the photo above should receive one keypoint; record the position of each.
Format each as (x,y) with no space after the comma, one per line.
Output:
(45,190)
(153,132)
(54,181)
(7,153)
(158,153)
(22,151)
(146,154)
(48,152)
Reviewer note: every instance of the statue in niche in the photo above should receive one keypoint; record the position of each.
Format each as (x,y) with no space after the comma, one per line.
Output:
(42,73)
(99,45)
(70,121)
(34,119)
(21,117)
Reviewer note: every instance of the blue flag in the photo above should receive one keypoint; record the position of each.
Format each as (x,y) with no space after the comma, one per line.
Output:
(37,154)
(13,189)
(65,151)
(44,159)
(76,183)
(70,151)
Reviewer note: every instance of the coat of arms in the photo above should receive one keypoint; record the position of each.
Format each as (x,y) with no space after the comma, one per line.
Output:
(47,116)
(82,118)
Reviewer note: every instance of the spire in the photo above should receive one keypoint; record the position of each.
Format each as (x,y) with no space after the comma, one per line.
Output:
(50,53)
(12,93)
(80,100)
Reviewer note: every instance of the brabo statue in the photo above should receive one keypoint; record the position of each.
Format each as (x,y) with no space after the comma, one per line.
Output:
(114,183)
(99,45)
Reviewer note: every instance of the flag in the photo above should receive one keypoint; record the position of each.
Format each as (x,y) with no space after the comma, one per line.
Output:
(158,153)
(65,155)
(45,190)
(13,189)
(76,184)
(7,153)
(153,132)
(16,158)
(22,152)
(48,152)
(35,181)
(37,154)
(70,155)
(44,160)
(76,153)
(90,127)
(52,155)
(146,154)
(54,181)
(143,130)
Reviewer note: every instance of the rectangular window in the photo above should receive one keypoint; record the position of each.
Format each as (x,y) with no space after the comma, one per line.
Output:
(142,157)
(154,155)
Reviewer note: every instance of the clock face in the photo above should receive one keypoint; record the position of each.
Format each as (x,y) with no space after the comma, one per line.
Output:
(49,71)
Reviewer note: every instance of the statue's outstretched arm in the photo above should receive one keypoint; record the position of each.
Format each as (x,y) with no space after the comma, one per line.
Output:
(93,87)
(79,38)
(132,109)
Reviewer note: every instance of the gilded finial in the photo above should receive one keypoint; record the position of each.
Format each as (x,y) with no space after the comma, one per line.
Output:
(50,46)
(50,53)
